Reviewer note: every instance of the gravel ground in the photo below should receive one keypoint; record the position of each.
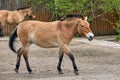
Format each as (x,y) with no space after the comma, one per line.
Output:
(95,62)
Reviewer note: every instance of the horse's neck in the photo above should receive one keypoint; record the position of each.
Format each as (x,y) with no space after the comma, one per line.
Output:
(72,28)
(18,16)
(23,12)
(68,30)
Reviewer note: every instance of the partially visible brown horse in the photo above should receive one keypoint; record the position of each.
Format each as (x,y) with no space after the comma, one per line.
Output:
(14,17)
(49,35)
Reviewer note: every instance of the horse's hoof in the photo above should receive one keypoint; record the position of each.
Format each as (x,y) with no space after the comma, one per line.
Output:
(76,72)
(31,72)
(1,35)
(61,72)
(16,70)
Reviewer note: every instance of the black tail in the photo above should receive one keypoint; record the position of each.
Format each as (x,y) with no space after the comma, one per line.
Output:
(12,38)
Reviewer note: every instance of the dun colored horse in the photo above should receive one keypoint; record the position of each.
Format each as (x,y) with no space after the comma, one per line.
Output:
(49,35)
(14,17)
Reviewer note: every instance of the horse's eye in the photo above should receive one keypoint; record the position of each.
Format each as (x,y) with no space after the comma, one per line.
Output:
(82,26)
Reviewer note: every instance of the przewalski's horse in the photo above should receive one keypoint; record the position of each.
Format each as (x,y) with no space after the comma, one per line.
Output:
(14,17)
(49,35)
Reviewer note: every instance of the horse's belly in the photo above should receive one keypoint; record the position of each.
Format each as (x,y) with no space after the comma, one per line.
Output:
(47,44)
(44,38)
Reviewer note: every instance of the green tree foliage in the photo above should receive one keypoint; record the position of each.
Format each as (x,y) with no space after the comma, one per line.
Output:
(117,28)
(61,7)
(110,5)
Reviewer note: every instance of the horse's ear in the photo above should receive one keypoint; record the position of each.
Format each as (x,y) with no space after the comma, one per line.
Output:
(30,8)
(85,18)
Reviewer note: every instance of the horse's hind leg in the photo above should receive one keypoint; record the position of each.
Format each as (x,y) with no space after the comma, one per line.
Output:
(19,53)
(1,32)
(25,55)
(61,53)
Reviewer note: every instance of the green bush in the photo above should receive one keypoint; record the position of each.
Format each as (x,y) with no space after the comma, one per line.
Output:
(117,28)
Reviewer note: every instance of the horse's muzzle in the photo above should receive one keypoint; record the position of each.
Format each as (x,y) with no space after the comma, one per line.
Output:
(32,17)
(90,36)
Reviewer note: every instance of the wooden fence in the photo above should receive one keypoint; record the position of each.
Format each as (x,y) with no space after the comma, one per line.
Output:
(104,24)
(101,25)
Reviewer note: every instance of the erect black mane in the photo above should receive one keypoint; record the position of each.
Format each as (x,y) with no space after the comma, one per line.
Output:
(72,16)
(23,8)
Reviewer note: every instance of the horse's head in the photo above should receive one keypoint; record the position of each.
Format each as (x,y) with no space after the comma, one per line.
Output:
(30,13)
(84,29)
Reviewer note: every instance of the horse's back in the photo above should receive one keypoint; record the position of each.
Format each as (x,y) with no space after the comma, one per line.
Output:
(43,34)
(3,13)
(38,25)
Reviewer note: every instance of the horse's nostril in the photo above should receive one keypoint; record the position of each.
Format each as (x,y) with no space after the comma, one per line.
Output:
(91,38)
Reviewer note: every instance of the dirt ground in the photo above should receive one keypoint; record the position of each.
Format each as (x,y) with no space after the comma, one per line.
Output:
(94,63)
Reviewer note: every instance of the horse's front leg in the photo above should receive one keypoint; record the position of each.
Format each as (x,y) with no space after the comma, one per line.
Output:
(61,53)
(70,55)
(74,64)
